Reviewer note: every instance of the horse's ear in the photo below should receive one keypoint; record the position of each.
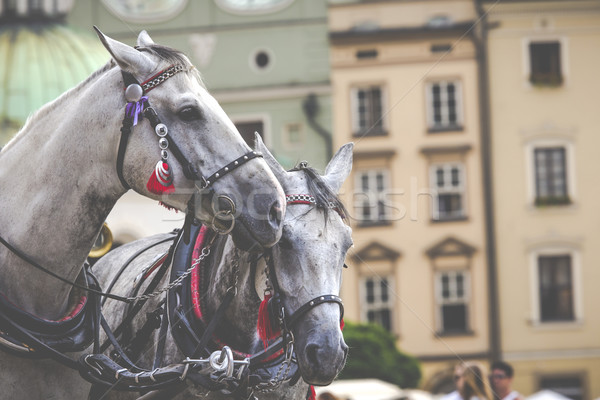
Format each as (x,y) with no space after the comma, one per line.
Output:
(144,40)
(277,169)
(128,58)
(339,167)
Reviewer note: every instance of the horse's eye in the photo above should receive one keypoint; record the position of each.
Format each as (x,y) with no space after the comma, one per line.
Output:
(189,114)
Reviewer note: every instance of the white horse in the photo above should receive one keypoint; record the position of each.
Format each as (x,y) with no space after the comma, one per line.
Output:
(304,275)
(64,171)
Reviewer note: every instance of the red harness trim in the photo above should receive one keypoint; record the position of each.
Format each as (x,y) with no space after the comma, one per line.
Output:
(157,264)
(196,281)
(74,312)
(80,305)
(195,277)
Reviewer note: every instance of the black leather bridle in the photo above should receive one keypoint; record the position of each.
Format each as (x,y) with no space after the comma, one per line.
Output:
(277,310)
(190,170)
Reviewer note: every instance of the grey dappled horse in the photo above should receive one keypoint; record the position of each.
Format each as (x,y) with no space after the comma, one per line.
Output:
(62,174)
(307,263)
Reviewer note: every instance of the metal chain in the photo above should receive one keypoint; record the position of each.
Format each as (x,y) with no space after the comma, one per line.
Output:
(282,372)
(177,282)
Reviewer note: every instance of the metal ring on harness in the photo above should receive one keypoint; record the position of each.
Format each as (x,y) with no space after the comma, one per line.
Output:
(222,361)
(220,216)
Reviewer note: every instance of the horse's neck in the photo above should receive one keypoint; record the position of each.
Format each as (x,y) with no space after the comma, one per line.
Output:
(239,323)
(58,184)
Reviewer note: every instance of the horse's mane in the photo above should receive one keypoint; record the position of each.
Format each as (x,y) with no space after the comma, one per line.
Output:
(168,54)
(325,198)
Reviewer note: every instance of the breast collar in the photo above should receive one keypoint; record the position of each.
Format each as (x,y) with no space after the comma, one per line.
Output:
(30,336)
(195,337)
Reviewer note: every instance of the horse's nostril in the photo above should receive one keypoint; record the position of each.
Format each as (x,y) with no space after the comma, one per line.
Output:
(312,351)
(275,214)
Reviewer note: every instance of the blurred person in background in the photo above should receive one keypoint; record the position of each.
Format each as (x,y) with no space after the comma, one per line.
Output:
(455,395)
(501,381)
(473,383)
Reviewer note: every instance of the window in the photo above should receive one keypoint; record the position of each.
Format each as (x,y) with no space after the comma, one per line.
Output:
(550,176)
(371,191)
(367,111)
(444,106)
(449,183)
(569,386)
(293,136)
(544,59)
(247,129)
(377,301)
(555,288)
(452,296)
(145,11)
(253,6)
(262,60)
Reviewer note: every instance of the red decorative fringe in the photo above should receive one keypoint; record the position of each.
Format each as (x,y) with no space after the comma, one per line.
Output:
(311,395)
(342,324)
(264,324)
(155,185)
(168,207)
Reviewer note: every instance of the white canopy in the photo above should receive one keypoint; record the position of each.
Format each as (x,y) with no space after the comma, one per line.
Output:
(547,395)
(370,389)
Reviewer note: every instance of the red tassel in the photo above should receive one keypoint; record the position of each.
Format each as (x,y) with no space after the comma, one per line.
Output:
(342,324)
(264,325)
(161,181)
(311,395)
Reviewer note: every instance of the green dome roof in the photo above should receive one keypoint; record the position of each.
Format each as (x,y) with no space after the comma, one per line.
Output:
(38,62)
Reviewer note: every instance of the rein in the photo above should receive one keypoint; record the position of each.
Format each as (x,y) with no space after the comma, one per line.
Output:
(209,363)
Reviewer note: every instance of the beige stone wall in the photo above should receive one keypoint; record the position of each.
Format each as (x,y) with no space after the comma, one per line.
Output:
(398,14)
(525,116)
(404,67)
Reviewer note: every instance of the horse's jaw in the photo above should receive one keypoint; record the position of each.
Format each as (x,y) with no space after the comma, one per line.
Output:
(320,349)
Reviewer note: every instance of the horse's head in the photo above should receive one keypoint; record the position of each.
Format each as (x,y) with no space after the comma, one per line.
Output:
(195,157)
(308,263)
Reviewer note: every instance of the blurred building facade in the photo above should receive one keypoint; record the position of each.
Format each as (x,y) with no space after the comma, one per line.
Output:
(544,124)
(267,62)
(406,91)
(474,128)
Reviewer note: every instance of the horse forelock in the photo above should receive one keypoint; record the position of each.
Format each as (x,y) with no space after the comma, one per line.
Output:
(172,56)
(325,198)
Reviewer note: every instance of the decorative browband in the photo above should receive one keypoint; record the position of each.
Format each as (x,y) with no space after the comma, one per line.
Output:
(300,199)
(162,76)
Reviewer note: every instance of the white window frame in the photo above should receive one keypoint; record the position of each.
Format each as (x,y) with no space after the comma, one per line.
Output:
(356,129)
(441,301)
(373,196)
(530,148)
(555,250)
(378,304)
(448,189)
(564,56)
(445,110)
